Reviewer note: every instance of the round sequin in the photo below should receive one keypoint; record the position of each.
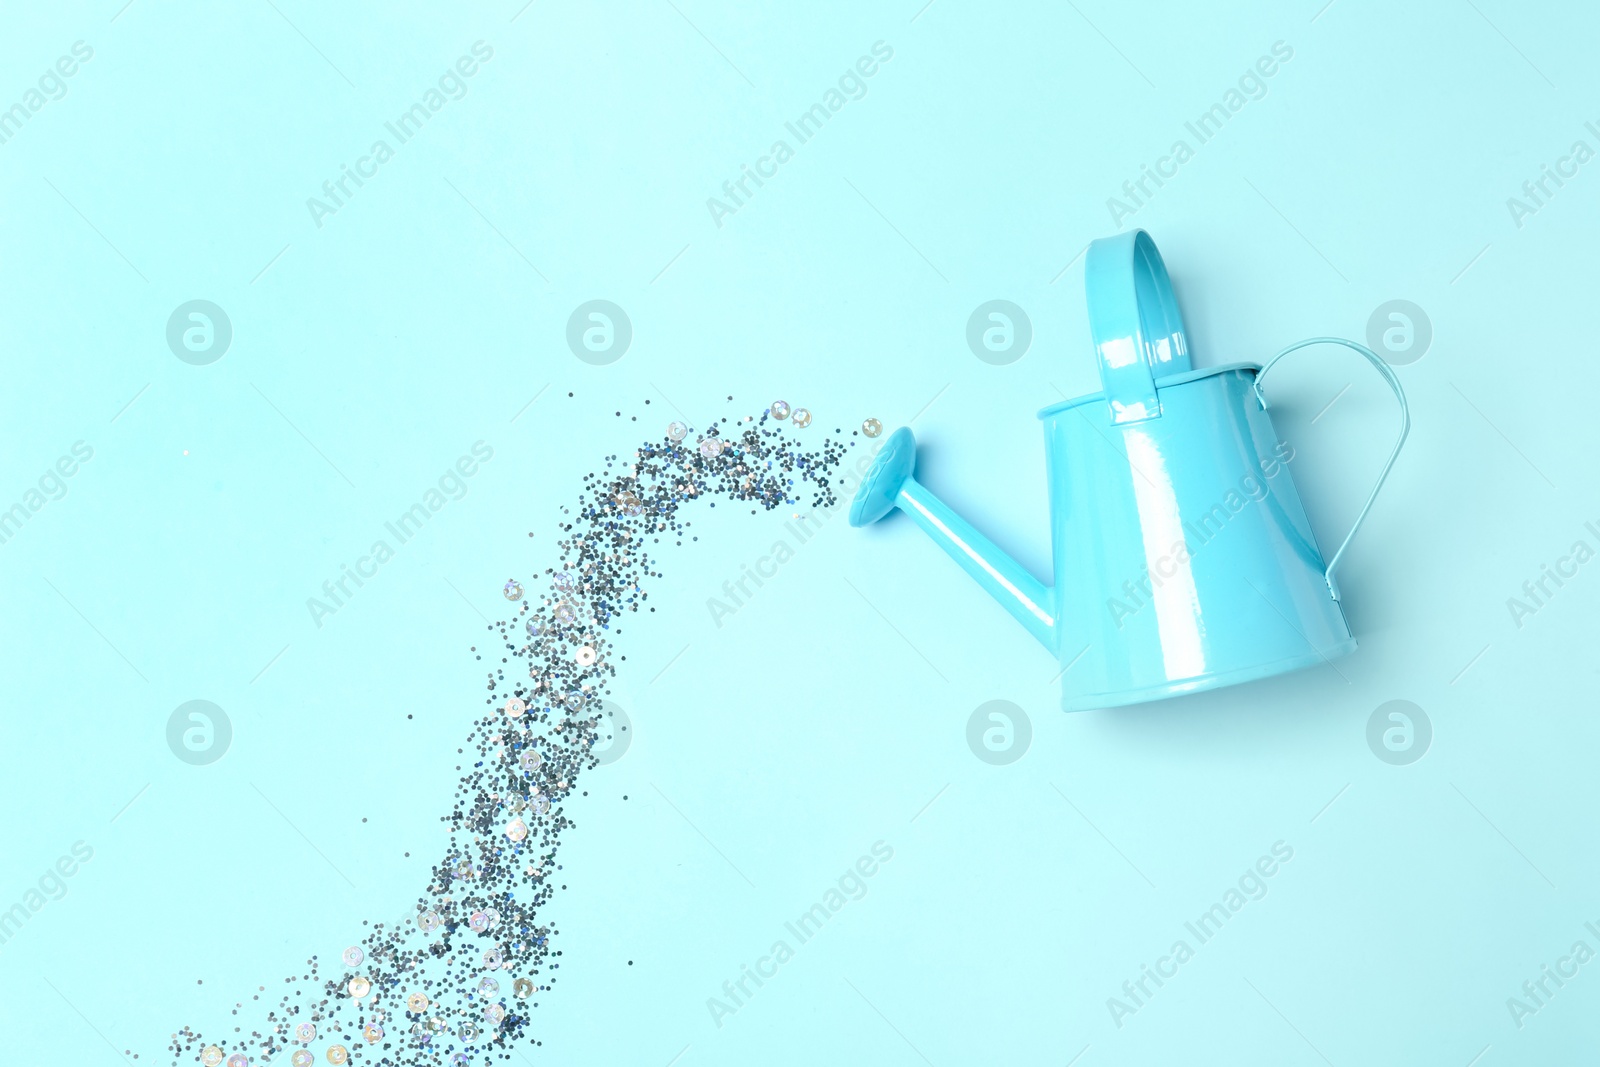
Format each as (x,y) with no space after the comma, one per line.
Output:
(564,582)
(779,409)
(513,590)
(338,1054)
(585,656)
(522,988)
(574,700)
(468,1033)
(515,707)
(302,1058)
(872,427)
(566,613)
(711,447)
(531,760)
(373,1033)
(429,921)
(677,431)
(359,987)
(495,1013)
(353,956)
(478,922)
(801,418)
(238,1059)
(305,1033)
(535,627)
(488,987)
(630,505)
(211,1056)
(517,830)
(539,805)
(493,959)
(417,1003)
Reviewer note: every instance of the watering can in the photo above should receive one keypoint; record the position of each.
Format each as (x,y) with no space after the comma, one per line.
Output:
(1183,559)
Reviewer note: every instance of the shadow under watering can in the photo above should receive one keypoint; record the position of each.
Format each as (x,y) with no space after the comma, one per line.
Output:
(1183,559)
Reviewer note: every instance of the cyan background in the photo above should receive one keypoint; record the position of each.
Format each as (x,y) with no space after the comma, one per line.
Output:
(773,751)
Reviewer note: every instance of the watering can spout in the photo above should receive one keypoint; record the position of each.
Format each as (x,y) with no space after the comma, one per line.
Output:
(890,484)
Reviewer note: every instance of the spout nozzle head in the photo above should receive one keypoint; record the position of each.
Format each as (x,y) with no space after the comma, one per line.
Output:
(895,463)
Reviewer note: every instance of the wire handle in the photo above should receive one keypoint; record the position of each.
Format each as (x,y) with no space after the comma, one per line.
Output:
(1405,428)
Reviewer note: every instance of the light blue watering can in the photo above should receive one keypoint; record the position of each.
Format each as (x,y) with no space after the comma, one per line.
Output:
(1183,559)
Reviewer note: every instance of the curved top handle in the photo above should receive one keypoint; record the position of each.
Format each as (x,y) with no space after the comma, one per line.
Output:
(1134,320)
(1405,428)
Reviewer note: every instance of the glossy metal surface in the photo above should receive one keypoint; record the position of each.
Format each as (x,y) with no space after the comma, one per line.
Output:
(1183,557)
(1134,322)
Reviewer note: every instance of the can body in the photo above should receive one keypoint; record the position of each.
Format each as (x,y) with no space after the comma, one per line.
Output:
(1183,557)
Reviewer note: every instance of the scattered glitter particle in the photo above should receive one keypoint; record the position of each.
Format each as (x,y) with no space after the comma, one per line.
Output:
(544,715)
